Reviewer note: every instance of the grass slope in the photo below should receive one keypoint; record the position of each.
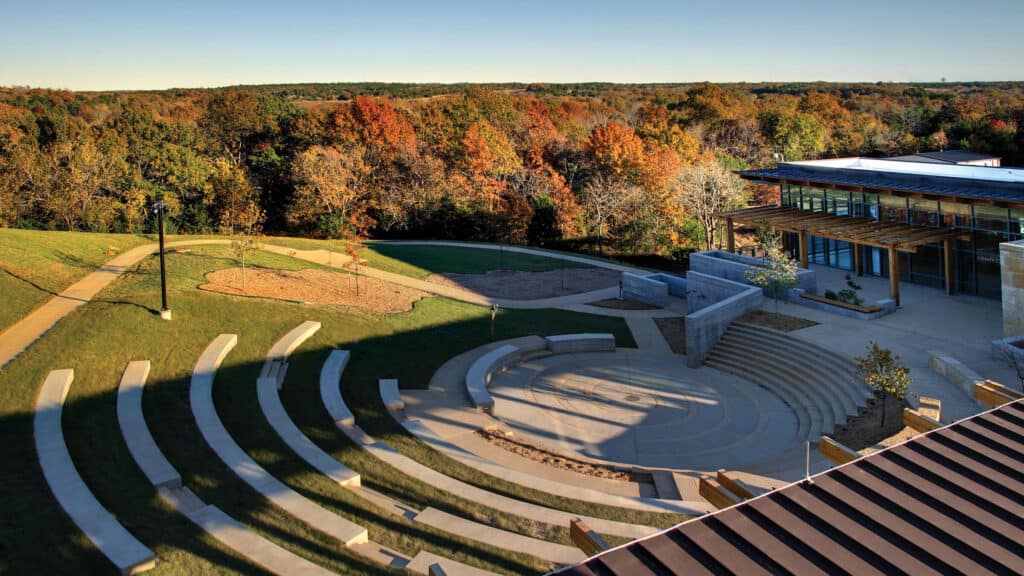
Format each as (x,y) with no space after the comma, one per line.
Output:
(100,338)
(35,265)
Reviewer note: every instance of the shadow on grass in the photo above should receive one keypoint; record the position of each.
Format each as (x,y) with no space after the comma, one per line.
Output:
(37,537)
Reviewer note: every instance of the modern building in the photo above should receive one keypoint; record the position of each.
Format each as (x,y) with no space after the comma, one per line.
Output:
(918,221)
(963,157)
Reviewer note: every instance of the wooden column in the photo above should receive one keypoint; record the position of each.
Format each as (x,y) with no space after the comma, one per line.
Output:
(858,259)
(947,262)
(803,248)
(894,274)
(730,238)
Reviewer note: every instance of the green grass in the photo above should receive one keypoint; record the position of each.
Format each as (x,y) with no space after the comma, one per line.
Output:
(35,265)
(422,261)
(100,338)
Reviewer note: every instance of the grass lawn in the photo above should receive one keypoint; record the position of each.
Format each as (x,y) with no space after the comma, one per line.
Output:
(35,264)
(422,261)
(100,338)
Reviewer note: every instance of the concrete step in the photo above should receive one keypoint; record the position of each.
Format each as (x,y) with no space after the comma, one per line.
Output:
(665,484)
(805,418)
(829,361)
(811,372)
(800,374)
(817,405)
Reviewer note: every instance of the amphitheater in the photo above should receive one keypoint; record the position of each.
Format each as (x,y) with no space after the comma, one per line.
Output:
(284,462)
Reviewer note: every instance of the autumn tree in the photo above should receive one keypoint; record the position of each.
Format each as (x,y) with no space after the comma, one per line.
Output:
(606,200)
(327,191)
(233,118)
(704,189)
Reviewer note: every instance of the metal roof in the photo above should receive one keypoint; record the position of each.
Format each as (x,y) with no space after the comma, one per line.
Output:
(946,156)
(955,181)
(950,501)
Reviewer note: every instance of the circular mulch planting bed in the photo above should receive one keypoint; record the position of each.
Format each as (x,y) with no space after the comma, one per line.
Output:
(315,287)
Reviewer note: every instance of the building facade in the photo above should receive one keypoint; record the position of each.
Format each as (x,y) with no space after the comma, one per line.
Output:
(984,204)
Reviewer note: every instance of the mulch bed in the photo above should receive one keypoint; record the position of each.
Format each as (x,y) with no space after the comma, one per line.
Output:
(674,331)
(505,441)
(315,287)
(779,322)
(616,304)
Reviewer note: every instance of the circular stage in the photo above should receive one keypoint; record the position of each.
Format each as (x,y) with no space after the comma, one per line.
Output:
(642,409)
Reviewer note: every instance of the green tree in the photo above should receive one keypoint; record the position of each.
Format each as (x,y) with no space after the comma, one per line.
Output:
(881,370)
(778,271)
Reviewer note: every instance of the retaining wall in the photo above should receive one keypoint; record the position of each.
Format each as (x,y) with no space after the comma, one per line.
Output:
(715,302)
(733,267)
(644,289)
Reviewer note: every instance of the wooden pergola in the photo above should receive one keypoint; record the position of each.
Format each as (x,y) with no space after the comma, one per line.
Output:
(859,231)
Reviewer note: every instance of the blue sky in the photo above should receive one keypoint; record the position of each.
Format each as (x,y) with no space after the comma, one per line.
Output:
(185,43)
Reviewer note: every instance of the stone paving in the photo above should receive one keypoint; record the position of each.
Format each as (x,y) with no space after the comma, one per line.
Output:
(641,408)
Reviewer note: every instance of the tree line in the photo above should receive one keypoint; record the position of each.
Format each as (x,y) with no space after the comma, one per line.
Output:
(639,167)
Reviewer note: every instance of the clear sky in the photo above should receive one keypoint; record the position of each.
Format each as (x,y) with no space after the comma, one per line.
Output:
(139,44)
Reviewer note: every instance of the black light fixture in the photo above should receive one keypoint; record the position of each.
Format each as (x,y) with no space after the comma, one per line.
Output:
(159,207)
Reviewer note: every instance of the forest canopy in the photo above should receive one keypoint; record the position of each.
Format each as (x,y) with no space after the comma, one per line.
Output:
(520,163)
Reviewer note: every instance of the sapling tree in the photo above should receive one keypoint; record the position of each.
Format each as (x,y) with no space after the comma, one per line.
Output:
(777,270)
(245,227)
(882,371)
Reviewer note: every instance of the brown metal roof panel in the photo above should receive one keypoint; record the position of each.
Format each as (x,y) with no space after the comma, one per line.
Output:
(861,550)
(813,532)
(790,554)
(977,553)
(991,472)
(723,551)
(992,499)
(671,550)
(624,562)
(1007,428)
(892,523)
(996,434)
(965,507)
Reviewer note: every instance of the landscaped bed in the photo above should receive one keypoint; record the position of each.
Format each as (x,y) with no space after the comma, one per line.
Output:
(315,287)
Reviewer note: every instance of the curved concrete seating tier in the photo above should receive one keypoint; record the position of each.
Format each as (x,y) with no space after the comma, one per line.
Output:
(115,542)
(277,416)
(390,395)
(136,434)
(569,343)
(276,364)
(220,441)
(434,565)
(330,388)
(382,451)
(811,379)
(166,479)
(479,374)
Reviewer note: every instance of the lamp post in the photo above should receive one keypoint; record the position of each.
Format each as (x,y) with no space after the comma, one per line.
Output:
(165,312)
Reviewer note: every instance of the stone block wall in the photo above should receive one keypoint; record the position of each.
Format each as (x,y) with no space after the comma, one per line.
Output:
(1011,258)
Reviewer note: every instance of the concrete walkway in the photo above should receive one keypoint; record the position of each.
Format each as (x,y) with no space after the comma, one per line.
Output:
(647,335)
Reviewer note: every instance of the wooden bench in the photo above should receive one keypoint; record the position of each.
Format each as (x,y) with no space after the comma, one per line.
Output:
(837,303)
(220,441)
(479,375)
(99,525)
(330,388)
(836,452)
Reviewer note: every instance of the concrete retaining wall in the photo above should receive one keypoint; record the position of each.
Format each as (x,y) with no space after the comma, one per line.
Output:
(723,301)
(644,289)
(1011,261)
(676,284)
(955,371)
(732,267)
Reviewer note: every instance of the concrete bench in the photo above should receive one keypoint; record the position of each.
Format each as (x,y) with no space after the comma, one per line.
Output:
(330,388)
(390,395)
(135,431)
(277,416)
(955,371)
(570,343)
(433,565)
(221,442)
(276,365)
(479,375)
(99,525)
(211,519)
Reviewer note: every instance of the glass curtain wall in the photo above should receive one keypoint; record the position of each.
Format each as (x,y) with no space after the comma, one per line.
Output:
(975,257)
